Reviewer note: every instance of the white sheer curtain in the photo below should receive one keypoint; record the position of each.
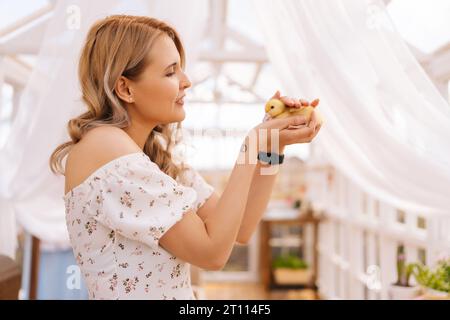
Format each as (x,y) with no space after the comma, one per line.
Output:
(386,126)
(28,189)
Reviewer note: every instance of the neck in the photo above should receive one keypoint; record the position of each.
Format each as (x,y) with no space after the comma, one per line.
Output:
(139,132)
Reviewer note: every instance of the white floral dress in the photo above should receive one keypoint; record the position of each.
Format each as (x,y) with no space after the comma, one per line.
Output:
(115,219)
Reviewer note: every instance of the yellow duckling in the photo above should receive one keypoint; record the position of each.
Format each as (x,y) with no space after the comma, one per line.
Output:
(277,109)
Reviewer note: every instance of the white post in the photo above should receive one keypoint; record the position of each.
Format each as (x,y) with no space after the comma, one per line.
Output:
(2,77)
(432,239)
(388,248)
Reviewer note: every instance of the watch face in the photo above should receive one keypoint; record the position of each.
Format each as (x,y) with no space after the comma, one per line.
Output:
(271,158)
(265,157)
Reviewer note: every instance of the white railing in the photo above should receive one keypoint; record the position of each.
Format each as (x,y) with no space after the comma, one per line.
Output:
(359,236)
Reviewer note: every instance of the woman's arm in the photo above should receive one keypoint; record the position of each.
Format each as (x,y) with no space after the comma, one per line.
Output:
(262,185)
(258,198)
(208,243)
(259,194)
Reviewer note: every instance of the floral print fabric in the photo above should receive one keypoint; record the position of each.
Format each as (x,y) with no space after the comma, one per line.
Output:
(115,219)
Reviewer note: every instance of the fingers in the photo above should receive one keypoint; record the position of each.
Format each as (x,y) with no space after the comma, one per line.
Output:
(267,117)
(301,135)
(304,102)
(297,131)
(286,122)
(296,121)
(293,103)
(313,120)
(288,101)
(315,123)
(317,128)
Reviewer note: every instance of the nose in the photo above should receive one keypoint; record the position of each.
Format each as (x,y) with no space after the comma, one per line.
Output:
(185,82)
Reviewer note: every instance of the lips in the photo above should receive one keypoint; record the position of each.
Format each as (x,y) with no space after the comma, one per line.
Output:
(180,100)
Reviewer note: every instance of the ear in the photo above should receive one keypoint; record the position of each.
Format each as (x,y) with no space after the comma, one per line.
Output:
(123,90)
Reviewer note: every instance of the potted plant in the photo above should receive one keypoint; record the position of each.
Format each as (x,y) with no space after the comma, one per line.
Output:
(435,282)
(401,289)
(290,269)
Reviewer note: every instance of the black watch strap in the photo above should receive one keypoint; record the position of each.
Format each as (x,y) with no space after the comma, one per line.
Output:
(270,157)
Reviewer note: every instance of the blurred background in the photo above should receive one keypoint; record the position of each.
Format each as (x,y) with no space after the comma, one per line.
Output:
(362,212)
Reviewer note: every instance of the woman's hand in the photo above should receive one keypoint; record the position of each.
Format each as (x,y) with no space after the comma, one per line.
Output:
(291,103)
(291,130)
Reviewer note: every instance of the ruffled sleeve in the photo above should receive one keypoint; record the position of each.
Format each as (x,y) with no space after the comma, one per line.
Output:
(141,202)
(193,179)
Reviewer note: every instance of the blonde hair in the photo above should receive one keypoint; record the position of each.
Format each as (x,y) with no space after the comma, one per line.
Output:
(115,46)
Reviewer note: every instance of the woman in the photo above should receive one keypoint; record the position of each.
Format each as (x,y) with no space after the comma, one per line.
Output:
(137,219)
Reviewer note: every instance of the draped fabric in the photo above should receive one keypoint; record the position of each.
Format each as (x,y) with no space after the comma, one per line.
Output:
(386,126)
(28,189)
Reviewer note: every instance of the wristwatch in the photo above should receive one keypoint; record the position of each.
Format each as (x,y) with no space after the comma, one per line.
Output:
(270,157)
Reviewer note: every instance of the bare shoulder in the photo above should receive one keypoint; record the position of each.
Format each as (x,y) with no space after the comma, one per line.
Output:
(108,141)
(98,147)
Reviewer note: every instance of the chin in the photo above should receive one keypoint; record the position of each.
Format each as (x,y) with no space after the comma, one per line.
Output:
(180,115)
(176,118)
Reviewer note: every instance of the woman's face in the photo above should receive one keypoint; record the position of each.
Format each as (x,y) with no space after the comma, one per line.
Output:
(158,93)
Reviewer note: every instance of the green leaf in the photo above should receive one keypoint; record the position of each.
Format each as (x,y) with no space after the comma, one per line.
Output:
(289,261)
